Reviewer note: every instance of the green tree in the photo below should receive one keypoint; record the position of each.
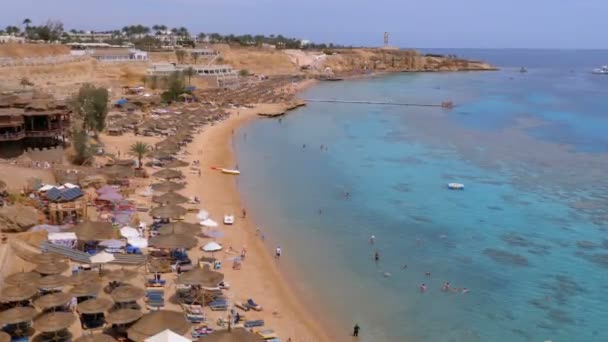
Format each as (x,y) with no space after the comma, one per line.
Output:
(82,148)
(244,72)
(180,55)
(12,30)
(194,57)
(175,87)
(27,22)
(189,72)
(51,31)
(139,149)
(91,105)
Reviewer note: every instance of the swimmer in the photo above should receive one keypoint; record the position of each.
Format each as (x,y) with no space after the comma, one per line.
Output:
(320,211)
(422,287)
(446,286)
(303,145)
(372,239)
(428,274)
(376,256)
(404,266)
(465,290)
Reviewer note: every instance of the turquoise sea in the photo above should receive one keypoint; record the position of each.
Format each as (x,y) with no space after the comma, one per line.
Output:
(528,235)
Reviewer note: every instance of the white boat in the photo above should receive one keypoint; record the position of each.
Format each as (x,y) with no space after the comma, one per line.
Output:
(601,71)
(456,186)
(231,171)
(228,219)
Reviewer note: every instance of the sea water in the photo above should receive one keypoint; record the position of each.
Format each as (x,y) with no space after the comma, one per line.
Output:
(527,236)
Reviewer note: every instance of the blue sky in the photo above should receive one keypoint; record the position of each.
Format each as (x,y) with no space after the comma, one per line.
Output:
(421,23)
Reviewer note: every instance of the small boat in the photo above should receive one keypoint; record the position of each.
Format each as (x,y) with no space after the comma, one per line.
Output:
(523,70)
(456,186)
(228,219)
(601,71)
(231,171)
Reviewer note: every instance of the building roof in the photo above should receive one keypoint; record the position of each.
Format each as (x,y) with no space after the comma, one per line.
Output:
(11,111)
(63,195)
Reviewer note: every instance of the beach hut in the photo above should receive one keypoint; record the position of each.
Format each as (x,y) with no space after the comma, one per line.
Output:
(157,321)
(233,335)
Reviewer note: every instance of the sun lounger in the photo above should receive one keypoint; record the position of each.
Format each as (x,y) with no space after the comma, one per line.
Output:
(252,305)
(241,306)
(254,323)
(267,334)
(201,331)
(218,305)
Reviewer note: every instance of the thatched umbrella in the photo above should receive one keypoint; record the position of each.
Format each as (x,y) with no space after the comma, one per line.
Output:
(157,321)
(53,281)
(23,278)
(54,268)
(18,293)
(167,186)
(54,321)
(180,227)
(84,277)
(52,300)
(168,174)
(168,211)
(17,315)
(96,305)
(233,335)
(121,275)
(123,316)
(95,338)
(118,172)
(176,163)
(86,289)
(204,277)
(94,231)
(127,293)
(4,337)
(173,241)
(170,198)
(47,258)
(161,154)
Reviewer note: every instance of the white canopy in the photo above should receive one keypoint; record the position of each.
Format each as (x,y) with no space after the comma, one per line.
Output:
(46,187)
(62,236)
(129,232)
(167,336)
(102,258)
(138,242)
(209,223)
(212,247)
(202,215)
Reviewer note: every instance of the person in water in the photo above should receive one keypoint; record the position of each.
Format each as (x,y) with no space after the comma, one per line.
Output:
(372,239)
(446,286)
(377,256)
(356,329)
(422,287)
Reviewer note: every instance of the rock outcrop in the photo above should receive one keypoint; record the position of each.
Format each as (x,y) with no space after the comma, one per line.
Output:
(17,218)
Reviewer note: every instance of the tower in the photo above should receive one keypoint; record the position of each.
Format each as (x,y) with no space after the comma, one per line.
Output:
(385,38)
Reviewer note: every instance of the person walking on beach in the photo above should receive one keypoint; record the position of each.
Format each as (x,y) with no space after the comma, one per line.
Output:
(244,212)
(356,329)
(278,252)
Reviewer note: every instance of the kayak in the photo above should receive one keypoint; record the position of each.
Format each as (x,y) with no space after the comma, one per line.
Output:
(456,186)
(231,171)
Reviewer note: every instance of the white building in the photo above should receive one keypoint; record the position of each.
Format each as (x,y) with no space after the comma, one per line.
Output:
(113,54)
(91,36)
(4,39)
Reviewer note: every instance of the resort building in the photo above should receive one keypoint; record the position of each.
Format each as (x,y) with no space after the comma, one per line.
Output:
(91,36)
(203,53)
(223,75)
(5,39)
(65,204)
(32,115)
(111,54)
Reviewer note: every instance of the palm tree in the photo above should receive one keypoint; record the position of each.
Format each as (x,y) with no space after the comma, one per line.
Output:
(139,149)
(189,72)
(153,82)
(27,22)
(194,56)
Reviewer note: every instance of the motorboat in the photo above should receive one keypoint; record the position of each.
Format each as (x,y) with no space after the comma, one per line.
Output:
(456,186)
(603,70)
(228,219)
(231,171)
(523,70)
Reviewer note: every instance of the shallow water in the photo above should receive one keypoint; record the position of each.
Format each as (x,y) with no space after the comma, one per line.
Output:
(527,236)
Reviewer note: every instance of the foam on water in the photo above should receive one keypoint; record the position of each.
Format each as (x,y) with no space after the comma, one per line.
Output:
(527,235)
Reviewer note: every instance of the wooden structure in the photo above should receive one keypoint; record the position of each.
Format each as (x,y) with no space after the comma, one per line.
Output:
(75,210)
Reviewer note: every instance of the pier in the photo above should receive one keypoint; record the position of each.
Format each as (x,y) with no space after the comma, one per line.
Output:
(446,104)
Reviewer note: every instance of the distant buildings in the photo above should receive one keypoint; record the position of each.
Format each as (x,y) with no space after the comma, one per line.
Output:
(4,39)
(108,53)
(224,75)
(91,36)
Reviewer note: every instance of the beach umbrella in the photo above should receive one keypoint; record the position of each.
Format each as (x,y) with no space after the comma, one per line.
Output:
(129,232)
(179,228)
(127,293)
(167,336)
(86,289)
(209,223)
(4,337)
(23,278)
(168,174)
(110,197)
(53,300)
(102,258)
(212,247)
(54,268)
(176,163)
(107,188)
(53,281)
(170,198)
(95,338)
(138,242)
(84,277)
(204,277)
(47,258)
(17,315)
(168,211)
(113,243)
(123,316)
(233,335)
(157,321)
(173,241)
(167,186)
(161,154)
(95,305)
(94,231)
(18,293)
(54,321)
(121,275)
(118,172)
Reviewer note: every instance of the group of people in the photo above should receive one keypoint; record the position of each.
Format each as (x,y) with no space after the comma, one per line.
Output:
(446,287)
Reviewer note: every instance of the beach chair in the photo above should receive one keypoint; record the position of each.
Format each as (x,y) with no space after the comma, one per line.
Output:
(241,306)
(252,305)
(267,334)
(254,323)
(194,313)
(219,305)
(155,298)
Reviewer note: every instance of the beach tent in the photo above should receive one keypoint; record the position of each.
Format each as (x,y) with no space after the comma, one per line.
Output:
(138,242)
(202,215)
(167,336)
(66,239)
(102,258)
(113,243)
(209,223)
(129,232)
(212,247)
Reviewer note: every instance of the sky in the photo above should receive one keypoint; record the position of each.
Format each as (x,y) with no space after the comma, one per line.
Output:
(566,24)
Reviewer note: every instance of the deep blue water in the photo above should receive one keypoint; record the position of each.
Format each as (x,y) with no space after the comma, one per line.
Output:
(527,236)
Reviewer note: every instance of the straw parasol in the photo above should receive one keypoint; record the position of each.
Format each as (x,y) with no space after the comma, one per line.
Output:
(18,293)
(176,163)
(157,321)
(96,305)
(94,231)
(170,198)
(204,277)
(118,172)
(161,154)
(173,241)
(46,258)
(53,281)
(17,315)
(168,211)
(167,186)
(4,337)
(234,335)
(22,278)
(95,338)
(86,289)
(121,275)
(53,300)
(54,268)
(180,228)
(123,316)
(127,293)
(84,277)
(168,174)
(54,321)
